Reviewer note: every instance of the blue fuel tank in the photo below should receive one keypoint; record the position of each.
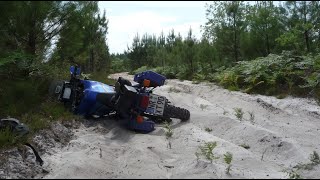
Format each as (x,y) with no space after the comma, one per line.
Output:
(95,93)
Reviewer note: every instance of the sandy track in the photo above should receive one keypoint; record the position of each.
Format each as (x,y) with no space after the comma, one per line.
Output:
(284,132)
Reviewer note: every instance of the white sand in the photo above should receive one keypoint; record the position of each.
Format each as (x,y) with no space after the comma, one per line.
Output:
(279,138)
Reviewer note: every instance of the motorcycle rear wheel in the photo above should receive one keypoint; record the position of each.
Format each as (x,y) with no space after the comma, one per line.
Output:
(171,111)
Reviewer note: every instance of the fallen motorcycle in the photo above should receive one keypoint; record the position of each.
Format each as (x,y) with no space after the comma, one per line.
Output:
(136,104)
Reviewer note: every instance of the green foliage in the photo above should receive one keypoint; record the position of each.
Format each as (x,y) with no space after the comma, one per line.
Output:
(168,71)
(118,65)
(207,151)
(139,70)
(238,113)
(169,131)
(228,159)
(225,23)
(294,175)
(208,129)
(234,33)
(28,63)
(36,122)
(102,77)
(237,50)
(40,117)
(198,77)
(37,118)
(274,75)
(183,73)
(83,37)
(314,158)
(6,137)
(19,95)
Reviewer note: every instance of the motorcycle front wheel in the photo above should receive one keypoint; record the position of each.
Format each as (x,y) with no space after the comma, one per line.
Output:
(55,88)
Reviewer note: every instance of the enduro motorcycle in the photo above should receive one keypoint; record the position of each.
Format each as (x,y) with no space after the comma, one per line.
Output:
(136,104)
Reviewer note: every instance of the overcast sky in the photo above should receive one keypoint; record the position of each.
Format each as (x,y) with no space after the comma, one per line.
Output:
(126,18)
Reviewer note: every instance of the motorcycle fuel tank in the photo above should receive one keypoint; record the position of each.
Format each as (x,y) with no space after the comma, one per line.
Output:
(89,104)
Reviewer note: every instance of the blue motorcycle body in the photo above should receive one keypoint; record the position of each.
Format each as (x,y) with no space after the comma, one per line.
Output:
(134,103)
(89,104)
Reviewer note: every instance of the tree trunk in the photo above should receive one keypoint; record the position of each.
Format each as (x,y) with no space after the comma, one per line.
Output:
(31,49)
(191,63)
(211,65)
(91,60)
(306,33)
(306,36)
(268,45)
(319,39)
(235,37)
(31,44)
(266,31)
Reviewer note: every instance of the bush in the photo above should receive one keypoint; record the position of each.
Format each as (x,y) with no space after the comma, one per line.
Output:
(183,73)
(228,159)
(273,75)
(167,71)
(170,72)
(206,150)
(19,95)
(6,137)
(198,77)
(139,70)
(119,65)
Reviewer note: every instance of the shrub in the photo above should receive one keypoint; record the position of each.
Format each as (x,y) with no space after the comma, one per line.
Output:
(227,159)
(273,75)
(238,113)
(207,151)
(208,129)
(169,131)
(139,70)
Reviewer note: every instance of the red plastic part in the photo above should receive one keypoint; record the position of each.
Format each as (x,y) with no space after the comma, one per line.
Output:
(144,101)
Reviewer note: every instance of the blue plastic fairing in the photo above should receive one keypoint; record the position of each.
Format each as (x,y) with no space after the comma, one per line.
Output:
(89,104)
(155,78)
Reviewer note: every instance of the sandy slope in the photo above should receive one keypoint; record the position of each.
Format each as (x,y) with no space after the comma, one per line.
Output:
(284,133)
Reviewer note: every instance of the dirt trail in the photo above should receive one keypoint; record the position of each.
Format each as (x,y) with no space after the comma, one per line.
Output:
(284,132)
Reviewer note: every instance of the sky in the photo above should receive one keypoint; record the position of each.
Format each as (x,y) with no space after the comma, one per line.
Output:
(127,18)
